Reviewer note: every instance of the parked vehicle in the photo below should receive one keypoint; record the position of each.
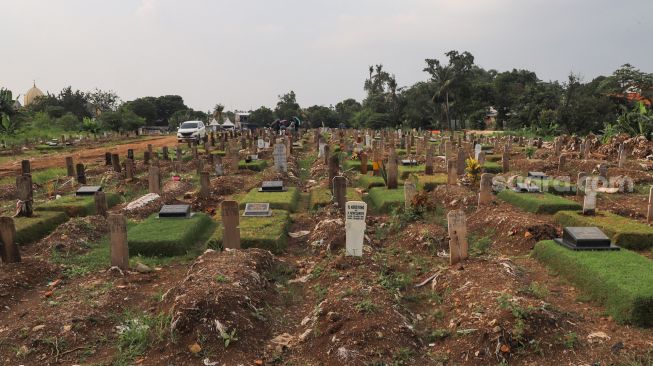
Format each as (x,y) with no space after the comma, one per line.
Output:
(191,130)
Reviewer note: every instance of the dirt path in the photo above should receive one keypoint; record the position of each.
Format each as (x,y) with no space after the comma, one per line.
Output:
(85,155)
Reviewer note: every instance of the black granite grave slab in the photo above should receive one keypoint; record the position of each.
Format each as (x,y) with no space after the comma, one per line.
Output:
(175,211)
(272,186)
(88,190)
(585,238)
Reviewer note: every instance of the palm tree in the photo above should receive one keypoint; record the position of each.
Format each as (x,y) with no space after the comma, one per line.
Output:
(217,112)
(442,77)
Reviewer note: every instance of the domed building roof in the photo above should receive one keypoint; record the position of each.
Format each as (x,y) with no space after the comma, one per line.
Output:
(32,94)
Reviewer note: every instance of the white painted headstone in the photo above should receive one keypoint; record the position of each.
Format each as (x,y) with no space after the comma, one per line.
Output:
(320,153)
(355,227)
(260,144)
(368,140)
(219,170)
(280,158)
(477,150)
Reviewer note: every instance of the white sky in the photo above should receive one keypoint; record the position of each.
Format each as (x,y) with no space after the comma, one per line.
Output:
(244,53)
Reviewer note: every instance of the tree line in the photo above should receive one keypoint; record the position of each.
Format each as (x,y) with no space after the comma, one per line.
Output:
(455,94)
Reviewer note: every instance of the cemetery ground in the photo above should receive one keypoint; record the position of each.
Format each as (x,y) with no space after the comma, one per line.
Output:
(291,295)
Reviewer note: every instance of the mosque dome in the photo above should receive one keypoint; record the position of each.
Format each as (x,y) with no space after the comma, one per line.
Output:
(32,94)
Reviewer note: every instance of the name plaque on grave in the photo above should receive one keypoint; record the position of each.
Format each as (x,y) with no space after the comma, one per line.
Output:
(537,175)
(355,212)
(88,190)
(585,238)
(408,162)
(272,186)
(178,211)
(257,209)
(527,188)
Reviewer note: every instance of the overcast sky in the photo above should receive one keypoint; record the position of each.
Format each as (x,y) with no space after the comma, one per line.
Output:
(244,53)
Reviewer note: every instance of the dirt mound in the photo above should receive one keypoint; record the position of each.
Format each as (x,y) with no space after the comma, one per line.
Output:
(356,321)
(72,237)
(453,196)
(221,298)
(15,278)
(639,146)
(541,232)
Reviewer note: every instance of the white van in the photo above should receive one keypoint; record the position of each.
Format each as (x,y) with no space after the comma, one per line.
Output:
(191,130)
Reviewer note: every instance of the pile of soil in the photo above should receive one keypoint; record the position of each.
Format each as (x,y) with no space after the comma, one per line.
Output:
(17,278)
(222,296)
(639,146)
(72,237)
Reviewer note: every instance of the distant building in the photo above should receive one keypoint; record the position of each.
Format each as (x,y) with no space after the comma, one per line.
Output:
(31,95)
(241,117)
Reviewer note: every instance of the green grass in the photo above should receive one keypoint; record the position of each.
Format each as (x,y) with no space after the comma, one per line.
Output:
(623,231)
(540,203)
(320,197)
(368,181)
(138,332)
(555,186)
(384,200)
(31,229)
(406,170)
(49,148)
(493,158)
(620,280)
(167,237)
(288,200)
(355,165)
(40,176)
(255,165)
(218,152)
(258,232)
(78,206)
(492,167)
(429,182)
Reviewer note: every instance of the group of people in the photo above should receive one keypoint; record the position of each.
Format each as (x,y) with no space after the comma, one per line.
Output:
(283,124)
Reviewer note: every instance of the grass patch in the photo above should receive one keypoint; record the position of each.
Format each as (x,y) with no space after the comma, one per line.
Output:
(368,181)
(32,229)
(78,206)
(255,165)
(320,197)
(384,200)
(620,280)
(429,182)
(258,232)
(288,200)
(355,165)
(540,203)
(406,170)
(138,332)
(555,186)
(623,231)
(168,237)
(492,167)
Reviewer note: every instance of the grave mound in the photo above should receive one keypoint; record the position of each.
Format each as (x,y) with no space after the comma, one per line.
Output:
(31,229)
(624,232)
(288,200)
(620,280)
(166,237)
(540,203)
(78,205)
(220,296)
(266,232)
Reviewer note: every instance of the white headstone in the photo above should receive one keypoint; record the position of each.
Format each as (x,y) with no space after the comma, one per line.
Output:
(260,144)
(368,140)
(355,227)
(477,150)
(280,158)
(321,150)
(219,171)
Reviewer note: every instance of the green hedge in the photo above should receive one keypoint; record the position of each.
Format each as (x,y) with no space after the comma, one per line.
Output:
(288,200)
(429,182)
(78,206)
(620,280)
(384,200)
(541,203)
(167,237)
(42,223)
(320,197)
(255,165)
(258,232)
(623,231)
(564,188)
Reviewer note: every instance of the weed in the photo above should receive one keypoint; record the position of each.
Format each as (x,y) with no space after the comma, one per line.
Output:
(137,332)
(366,306)
(538,290)
(320,293)
(480,245)
(228,338)
(570,340)
(221,278)
(438,334)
